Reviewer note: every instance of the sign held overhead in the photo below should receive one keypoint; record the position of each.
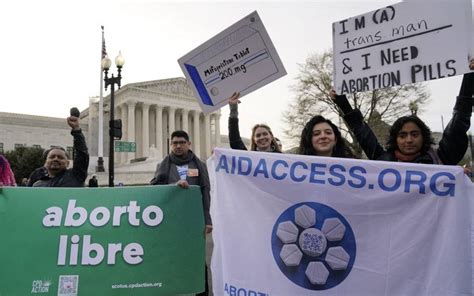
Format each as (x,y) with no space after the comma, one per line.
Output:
(403,43)
(241,58)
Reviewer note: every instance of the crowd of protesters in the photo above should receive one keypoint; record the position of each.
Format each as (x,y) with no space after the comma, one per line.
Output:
(410,140)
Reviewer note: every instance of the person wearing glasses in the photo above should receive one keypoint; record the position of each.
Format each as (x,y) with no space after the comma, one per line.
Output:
(183,168)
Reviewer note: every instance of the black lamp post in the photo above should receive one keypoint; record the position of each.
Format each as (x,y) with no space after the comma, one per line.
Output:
(115,126)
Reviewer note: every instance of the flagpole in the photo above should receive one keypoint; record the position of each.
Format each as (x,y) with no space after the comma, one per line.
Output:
(100,153)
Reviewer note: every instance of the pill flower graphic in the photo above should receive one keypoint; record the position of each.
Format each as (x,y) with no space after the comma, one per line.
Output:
(313,245)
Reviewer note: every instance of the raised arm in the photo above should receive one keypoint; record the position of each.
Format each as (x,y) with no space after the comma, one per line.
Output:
(355,121)
(235,140)
(81,154)
(454,142)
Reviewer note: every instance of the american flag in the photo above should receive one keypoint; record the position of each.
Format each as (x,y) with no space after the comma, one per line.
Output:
(104,51)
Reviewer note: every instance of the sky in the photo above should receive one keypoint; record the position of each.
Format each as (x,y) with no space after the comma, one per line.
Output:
(51,50)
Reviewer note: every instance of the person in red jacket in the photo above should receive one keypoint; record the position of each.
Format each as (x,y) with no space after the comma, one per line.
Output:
(6,174)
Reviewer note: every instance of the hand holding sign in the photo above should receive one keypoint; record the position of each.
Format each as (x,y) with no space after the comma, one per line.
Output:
(234,99)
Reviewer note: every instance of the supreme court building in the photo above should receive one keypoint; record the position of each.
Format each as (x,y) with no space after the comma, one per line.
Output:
(150,111)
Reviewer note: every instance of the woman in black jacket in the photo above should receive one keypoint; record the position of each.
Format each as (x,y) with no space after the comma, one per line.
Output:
(409,138)
(262,138)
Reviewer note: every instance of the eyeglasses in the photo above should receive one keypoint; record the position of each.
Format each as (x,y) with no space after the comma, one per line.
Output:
(176,143)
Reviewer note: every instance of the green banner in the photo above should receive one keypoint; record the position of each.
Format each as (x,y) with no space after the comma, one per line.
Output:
(101,241)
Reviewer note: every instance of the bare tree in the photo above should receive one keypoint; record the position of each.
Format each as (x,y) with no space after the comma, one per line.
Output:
(312,88)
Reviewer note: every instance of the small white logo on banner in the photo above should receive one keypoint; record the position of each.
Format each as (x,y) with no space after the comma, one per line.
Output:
(40,286)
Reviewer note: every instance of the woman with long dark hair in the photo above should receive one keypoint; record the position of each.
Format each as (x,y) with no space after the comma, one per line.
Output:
(321,137)
(410,138)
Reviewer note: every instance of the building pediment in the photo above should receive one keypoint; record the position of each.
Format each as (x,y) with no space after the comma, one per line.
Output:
(173,86)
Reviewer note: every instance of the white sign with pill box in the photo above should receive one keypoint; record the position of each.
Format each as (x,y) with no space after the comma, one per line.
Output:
(300,225)
(241,58)
(403,43)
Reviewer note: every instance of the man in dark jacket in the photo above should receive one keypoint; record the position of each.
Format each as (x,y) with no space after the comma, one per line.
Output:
(410,139)
(183,168)
(57,162)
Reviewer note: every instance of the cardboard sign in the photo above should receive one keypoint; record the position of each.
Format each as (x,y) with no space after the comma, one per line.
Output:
(241,58)
(404,43)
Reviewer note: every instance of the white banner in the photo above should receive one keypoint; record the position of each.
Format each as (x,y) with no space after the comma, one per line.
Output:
(300,225)
(403,43)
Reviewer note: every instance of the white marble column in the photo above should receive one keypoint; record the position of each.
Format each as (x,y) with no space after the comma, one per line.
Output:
(124,117)
(145,129)
(196,146)
(217,125)
(131,127)
(171,120)
(207,135)
(185,121)
(93,114)
(159,131)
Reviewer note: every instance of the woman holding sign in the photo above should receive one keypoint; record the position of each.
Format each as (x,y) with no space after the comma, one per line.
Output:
(262,137)
(409,138)
(321,137)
